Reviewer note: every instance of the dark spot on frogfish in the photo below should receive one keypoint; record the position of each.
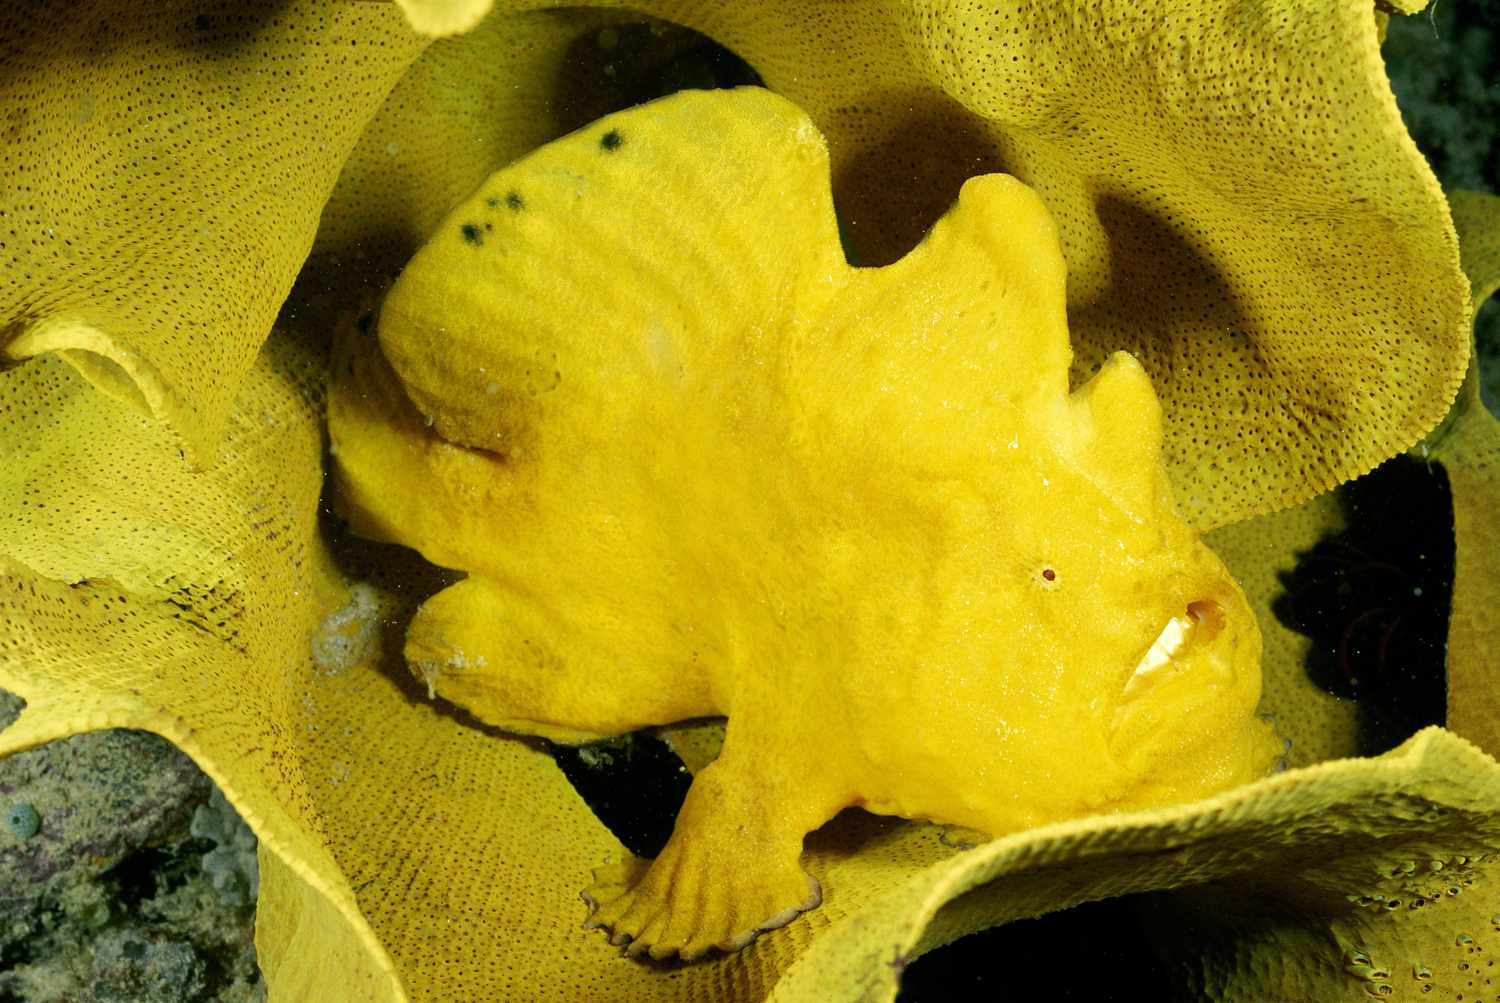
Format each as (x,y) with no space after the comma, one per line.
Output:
(471,234)
(611,141)
(514,201)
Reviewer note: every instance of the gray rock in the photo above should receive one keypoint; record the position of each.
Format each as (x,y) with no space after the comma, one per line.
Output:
(124,876)
(134,965)
(97,797)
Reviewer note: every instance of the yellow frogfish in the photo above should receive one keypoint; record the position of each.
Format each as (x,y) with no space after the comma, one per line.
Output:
(693,463)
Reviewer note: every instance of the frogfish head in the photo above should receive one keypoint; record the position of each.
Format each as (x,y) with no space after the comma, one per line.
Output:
(1108,662)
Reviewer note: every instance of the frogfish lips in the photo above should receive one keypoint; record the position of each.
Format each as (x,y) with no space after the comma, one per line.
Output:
(1191,633)
(1203,665)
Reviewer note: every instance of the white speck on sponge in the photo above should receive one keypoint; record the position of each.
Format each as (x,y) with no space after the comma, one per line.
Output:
(346,635)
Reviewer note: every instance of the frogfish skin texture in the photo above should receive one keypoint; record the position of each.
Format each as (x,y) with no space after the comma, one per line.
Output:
(693,463)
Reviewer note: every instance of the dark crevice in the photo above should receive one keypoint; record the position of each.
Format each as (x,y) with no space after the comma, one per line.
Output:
(1374,599)
(134,877)
(634,784)
(1038,959)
